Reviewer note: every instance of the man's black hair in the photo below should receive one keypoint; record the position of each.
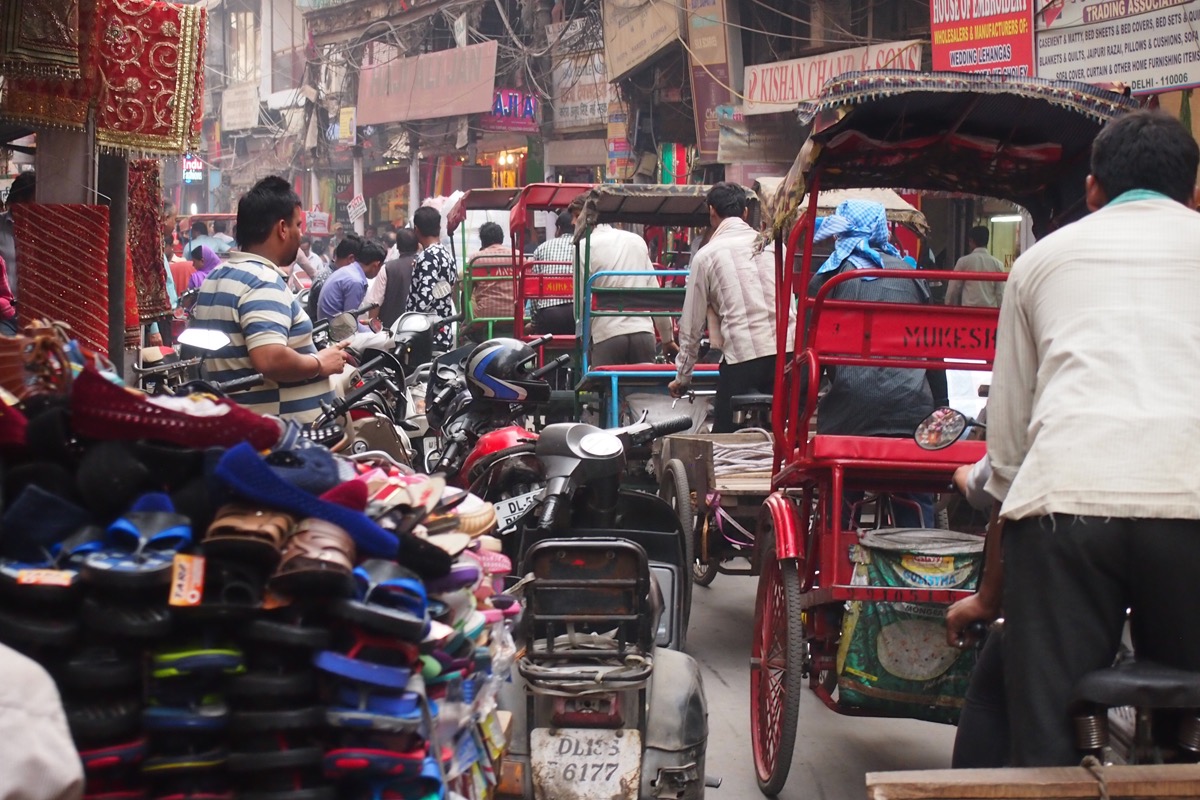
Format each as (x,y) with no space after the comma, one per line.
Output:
(270,200)
(563,224)
(305,239)
(979,236)
(428,221)
(219,226)
(23,188)
(320,246)
(728,199)
(406,240)
(351,245)
(1146,150)
(371,253)
(490,233)
(199,228)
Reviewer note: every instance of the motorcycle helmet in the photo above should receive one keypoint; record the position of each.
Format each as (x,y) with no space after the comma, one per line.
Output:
(496,445)
(499,370)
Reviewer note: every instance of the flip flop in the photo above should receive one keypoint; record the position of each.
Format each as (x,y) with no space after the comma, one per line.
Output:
(207,761)
(286,634)
(104,721)
(273,686)
(231,589)
(317,560)
(18,628)
(52,578)
(98,668)
(404,706)
(366,672)
(391,601)
(209,716)
(276,760)
(293,719)
(116,756)
(202,661)
(464,573)
(359,763)
(141,546)
(125,621)
(247,533)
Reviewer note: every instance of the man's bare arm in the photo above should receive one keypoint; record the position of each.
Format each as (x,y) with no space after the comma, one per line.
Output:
(282,364)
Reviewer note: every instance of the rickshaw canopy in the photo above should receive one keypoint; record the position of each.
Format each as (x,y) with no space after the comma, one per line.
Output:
(648,204)
(479,200)
(542,197)
(898,210)
(1025,140)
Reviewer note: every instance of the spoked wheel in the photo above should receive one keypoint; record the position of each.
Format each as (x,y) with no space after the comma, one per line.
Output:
(703,572)
(776,667)
(675,490)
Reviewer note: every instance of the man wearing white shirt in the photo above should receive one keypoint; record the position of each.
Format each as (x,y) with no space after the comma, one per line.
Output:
(1093,432)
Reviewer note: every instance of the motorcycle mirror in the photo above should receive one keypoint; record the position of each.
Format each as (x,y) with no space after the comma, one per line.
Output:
(942,428)
(203,339)
(386,360)
(411,322)
(343,326)
(442,289)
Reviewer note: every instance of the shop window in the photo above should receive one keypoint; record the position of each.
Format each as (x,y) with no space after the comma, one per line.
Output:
(244,55)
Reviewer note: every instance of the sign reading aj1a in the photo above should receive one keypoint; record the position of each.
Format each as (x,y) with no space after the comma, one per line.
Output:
(512,110)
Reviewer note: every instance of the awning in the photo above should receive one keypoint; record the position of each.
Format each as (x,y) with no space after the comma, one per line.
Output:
(375,183)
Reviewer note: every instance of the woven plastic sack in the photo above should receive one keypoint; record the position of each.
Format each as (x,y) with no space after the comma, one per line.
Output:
(893,656)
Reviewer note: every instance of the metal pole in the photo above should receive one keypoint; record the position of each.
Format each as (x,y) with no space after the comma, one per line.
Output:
(361,222)
(113,185)
(414,176)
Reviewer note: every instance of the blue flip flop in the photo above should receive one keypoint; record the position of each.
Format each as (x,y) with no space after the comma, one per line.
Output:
(140,546)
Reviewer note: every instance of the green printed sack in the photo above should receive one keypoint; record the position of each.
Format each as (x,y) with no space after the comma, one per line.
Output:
(893,656)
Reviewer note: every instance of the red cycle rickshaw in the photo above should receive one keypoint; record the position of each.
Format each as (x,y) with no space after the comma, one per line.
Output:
(1026,141)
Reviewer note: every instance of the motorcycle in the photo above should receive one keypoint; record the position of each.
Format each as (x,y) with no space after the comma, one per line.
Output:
(604,703)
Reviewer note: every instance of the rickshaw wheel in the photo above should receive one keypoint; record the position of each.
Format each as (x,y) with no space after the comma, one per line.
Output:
(776,668)
(674,489)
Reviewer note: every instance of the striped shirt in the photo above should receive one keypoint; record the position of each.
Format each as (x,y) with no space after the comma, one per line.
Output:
(246,299)
(562,249)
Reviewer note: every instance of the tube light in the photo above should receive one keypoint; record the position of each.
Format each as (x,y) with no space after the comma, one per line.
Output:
(1007,218)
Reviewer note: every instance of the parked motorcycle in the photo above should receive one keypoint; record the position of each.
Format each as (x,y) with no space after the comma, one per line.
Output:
(602,705)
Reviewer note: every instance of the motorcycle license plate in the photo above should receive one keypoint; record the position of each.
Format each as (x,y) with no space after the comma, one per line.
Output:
(510,511)
(585,763)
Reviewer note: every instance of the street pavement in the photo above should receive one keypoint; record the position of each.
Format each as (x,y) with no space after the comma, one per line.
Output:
(833,752)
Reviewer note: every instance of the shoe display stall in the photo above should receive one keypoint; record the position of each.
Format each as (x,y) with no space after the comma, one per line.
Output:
(230,610)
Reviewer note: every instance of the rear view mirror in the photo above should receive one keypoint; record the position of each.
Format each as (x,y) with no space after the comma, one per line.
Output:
(942,428)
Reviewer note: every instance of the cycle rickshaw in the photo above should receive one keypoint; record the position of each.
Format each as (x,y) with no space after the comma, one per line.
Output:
(1023,140)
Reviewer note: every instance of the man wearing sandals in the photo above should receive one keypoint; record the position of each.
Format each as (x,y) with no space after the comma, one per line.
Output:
(246,298)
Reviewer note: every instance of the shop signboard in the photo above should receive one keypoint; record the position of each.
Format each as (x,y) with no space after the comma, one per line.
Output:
(988,36)
(356,208)
(756,139)
(239,107)
(445,83)
(512,110)
(580,84)
(708,57)
(347,126)
(778,87)
(342,181)
(635,31)
(620,153)
(1150,46)
(193,170)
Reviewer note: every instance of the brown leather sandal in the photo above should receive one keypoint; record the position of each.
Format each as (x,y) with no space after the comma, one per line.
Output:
(247,533)
(318,559)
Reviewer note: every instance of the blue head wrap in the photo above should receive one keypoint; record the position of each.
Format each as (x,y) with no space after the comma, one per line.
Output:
(862,232)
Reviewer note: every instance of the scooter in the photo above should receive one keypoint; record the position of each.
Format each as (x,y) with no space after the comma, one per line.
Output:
(602,706)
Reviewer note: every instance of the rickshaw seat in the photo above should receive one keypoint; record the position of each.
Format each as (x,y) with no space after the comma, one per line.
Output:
(824,447)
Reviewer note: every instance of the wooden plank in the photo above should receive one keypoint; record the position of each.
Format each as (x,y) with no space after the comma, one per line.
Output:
(1043,783)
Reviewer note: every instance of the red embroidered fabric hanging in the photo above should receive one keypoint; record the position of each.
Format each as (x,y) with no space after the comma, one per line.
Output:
(39,38)
(59,100)
(62,268)
(142,70)
(146,241)
(133,322)
(150,76)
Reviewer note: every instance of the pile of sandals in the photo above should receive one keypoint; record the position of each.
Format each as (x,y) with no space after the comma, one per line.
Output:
(230,610)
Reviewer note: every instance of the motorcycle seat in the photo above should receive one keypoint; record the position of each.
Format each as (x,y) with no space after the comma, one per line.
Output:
(1143,684)
(755,399)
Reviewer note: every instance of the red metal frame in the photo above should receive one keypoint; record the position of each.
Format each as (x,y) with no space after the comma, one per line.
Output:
(540,287)
(823,468)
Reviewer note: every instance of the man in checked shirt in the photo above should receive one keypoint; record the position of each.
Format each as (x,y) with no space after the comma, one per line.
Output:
(556,316)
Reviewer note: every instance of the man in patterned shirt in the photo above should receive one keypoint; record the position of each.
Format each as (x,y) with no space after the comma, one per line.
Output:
(246,298)
(556,316)
(433,273)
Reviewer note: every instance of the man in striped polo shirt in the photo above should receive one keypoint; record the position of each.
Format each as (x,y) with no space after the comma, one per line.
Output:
(246,298)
